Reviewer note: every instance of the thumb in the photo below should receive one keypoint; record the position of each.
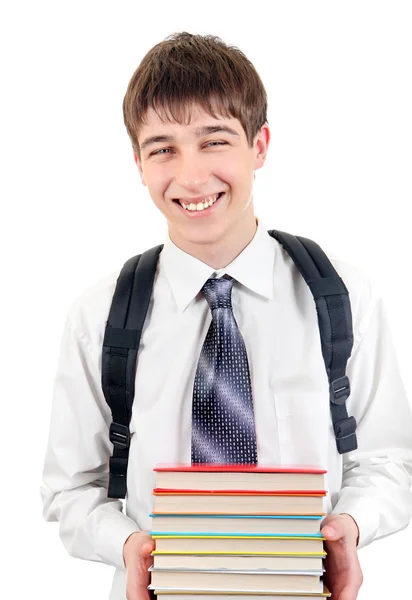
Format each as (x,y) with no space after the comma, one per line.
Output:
(333,530)
(147,546)
(146,549)
(330,533)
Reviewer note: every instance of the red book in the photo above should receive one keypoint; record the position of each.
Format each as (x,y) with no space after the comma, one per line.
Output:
(187,492)
(239,468)
(239,479)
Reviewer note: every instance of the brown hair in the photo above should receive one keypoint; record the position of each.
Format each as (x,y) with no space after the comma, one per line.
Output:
(185,69)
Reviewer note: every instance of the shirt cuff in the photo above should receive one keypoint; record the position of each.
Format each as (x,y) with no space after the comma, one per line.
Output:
(112,535)
(365,513)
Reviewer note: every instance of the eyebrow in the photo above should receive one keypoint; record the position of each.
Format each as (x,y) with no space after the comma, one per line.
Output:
(199,132)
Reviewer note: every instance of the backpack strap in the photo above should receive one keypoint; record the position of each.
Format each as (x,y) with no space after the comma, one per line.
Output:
(335,326)
(119,356)
(126,320)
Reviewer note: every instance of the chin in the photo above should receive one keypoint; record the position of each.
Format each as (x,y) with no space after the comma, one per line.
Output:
(207,235)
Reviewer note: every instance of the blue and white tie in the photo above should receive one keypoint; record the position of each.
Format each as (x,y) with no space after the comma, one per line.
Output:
(223,425)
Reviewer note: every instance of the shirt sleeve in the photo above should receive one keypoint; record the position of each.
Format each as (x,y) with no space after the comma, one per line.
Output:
(377,476)
(75,474)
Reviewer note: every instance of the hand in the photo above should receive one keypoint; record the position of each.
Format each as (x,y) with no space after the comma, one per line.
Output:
(137,560)
(343,575)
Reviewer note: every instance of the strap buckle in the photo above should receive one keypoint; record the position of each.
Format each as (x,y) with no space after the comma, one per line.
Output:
(345,435)
(119,435)
(340,390)
(345,428)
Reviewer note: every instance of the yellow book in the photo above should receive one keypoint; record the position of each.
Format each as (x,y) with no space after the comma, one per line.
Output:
(239,545)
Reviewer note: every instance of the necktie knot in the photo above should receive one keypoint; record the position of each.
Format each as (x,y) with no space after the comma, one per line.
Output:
(218,292)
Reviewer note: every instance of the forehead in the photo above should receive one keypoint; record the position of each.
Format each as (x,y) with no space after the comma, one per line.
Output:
(200,119)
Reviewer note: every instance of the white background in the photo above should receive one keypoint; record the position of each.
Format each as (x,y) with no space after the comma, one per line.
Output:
(338,76)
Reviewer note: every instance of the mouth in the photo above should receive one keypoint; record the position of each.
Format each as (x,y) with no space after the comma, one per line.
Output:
(200,209)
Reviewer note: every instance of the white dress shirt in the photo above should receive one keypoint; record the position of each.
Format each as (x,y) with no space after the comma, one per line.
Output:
(276,315)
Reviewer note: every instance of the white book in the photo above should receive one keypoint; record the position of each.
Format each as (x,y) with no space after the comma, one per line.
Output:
(238,545)
(258,581)
(168,594)
(252,562)
(267,503)
(238,480)
(237,569)
(273,524)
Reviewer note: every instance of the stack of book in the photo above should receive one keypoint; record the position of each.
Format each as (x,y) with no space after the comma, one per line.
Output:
(238,530)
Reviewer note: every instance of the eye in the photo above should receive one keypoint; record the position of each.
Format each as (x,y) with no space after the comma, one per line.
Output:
(158,151)
(167,150)
(219,143)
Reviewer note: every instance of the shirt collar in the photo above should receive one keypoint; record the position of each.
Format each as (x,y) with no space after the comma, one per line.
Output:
(253,267)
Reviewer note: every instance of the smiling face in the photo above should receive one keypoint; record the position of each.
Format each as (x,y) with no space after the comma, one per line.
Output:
(196,162)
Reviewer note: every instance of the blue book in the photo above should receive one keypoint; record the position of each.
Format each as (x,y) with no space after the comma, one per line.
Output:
(239,525)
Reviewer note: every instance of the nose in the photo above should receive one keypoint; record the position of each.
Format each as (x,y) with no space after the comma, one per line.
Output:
(191,173)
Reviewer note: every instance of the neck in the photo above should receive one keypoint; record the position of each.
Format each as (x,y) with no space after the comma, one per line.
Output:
(221,252)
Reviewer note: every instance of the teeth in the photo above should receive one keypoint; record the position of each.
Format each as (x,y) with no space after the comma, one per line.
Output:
(208,201)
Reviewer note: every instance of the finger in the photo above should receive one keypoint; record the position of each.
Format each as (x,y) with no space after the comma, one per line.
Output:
(143,592)
(147,548)
(334,529)
(146,544)
(137,592)
(332,533)
(136,585)
(349,593)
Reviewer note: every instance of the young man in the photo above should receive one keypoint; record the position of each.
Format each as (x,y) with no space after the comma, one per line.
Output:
(195,111)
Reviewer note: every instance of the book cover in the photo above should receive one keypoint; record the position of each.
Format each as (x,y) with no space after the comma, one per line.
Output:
(237,561)
(239,468)
(230,516)
(187,492)
(170,594)
(233,535)
(235,580)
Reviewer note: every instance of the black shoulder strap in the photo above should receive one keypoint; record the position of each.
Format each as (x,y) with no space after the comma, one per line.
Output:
(119,356)
(125,324)
(335,327)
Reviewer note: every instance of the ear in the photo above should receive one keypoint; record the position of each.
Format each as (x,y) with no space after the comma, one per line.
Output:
(261,146)
(139,167)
